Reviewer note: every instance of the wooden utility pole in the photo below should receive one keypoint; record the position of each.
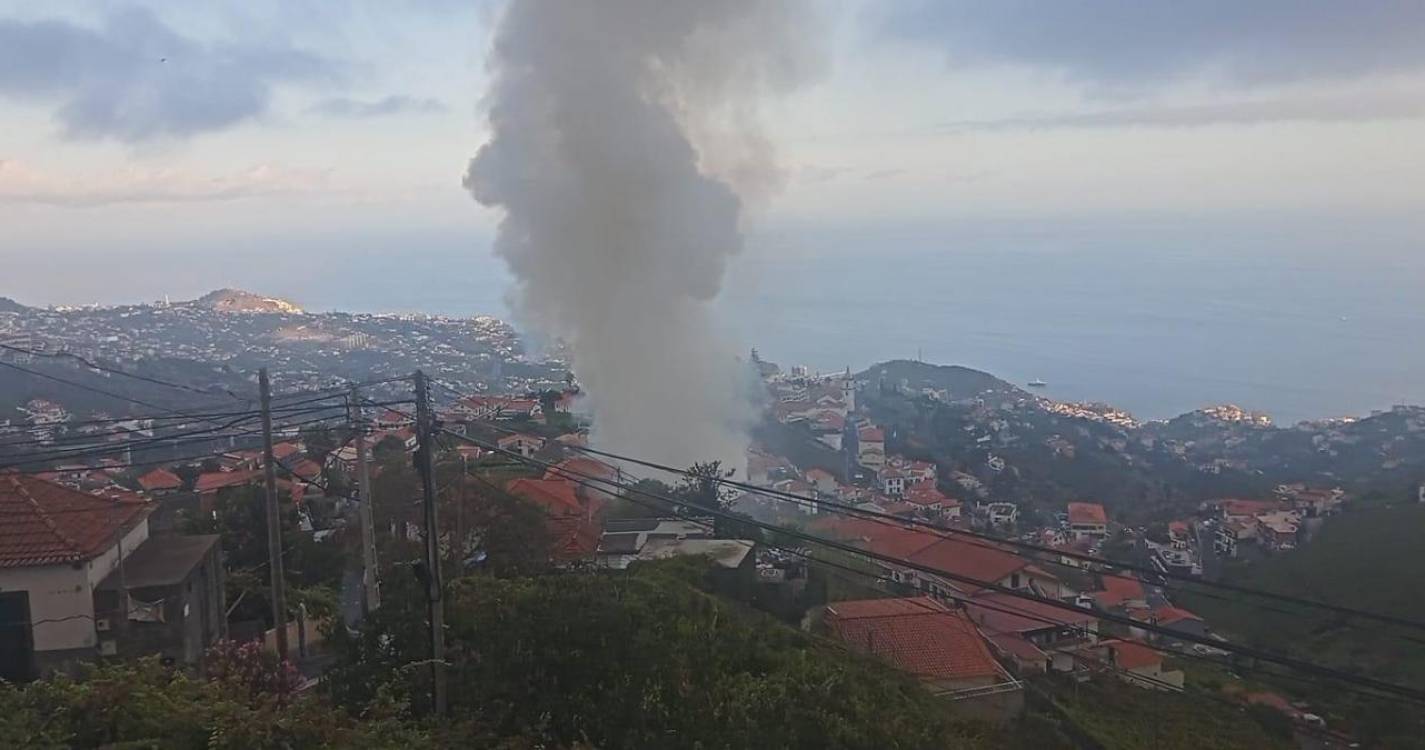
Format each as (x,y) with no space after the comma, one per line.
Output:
(371,599)
(425,458)
(274,520)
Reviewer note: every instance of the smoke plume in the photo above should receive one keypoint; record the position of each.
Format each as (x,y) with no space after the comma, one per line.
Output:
(623,148)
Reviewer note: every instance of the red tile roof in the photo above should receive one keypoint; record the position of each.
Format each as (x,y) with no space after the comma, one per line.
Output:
(160,479)
(1087,513)
(970,558)
(927,494)
(282,451)
(919,636)
(572,538)
(1169,615)
(1003,614)
(583,469)
(217,480)
(1118,589)
(871,435)
(1249,507)
(47,524)
(1133,655)
(557,497)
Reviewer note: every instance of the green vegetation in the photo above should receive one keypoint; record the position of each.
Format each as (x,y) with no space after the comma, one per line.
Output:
(1366,559)
(247,703)
(643,659)
(1113,715)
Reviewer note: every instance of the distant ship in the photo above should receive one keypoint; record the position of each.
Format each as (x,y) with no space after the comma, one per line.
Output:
(1037,383)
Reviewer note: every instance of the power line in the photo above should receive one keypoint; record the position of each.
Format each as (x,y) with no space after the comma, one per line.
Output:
(210,433)
(1000,607)
(124,373)
(1283,660)
(851,509)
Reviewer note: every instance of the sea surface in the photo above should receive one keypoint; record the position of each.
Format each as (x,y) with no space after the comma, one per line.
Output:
(1296,317)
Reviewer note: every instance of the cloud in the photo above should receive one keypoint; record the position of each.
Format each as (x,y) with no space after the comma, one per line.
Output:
(390,105)
(135,80)
(20,183)
(1247,112)
(1128,44)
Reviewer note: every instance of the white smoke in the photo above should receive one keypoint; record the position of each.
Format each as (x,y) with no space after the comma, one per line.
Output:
(623,146)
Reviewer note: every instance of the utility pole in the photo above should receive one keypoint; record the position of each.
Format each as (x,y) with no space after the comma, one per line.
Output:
(274,520)
(371,601)
(425,457)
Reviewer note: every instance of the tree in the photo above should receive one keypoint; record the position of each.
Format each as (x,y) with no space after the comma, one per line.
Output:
(643,659)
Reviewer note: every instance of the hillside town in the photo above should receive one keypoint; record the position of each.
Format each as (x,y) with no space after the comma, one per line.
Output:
(945,559)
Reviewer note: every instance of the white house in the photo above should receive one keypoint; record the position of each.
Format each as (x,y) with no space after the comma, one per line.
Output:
(59,545)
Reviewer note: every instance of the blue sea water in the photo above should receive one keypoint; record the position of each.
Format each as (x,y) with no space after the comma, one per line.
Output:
(1300,318)
(1156,317)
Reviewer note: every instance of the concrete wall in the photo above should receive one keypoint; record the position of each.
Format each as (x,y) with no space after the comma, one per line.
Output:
(61,605)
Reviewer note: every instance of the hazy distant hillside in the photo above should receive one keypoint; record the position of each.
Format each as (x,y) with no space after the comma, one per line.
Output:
(959,382)
(9,305)
(237,300)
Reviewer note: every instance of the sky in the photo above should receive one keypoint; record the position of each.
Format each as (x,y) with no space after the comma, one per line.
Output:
(165,147)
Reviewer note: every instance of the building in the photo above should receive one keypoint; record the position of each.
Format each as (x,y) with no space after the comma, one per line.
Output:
(940,646)
(624,539)
(871,447)
(1138,664)
(598,478)
(1088,521)
(64,569)
(573,517)
(893,481)
(525,445)
(160,481)
(174,585)
(1018,625)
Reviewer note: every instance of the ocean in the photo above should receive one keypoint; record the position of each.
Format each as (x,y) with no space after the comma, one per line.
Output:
(1300,318)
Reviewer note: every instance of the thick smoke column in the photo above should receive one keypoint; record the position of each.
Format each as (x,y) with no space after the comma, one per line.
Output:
(623,143)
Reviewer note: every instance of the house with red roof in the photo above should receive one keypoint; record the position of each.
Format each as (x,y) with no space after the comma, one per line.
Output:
(598,478)
(574,516)
(1088,521)
(1015,624)
(160,481)
(1138,664)
(936,644)
(933,503)
(62,590)
(1174,619)
(970,565)
(1120,592)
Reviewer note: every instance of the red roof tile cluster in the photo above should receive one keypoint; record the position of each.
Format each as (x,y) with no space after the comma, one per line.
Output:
(1169,615)
(283,451)
(1249,507)
(1118,589)
(1001,614)
(558,497)
(919,636)
(970,558)
(926,494)
(583,469)
(871,435)
(47,524)
(217,480)
(160,480)
(1132,655)
(1087,513)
